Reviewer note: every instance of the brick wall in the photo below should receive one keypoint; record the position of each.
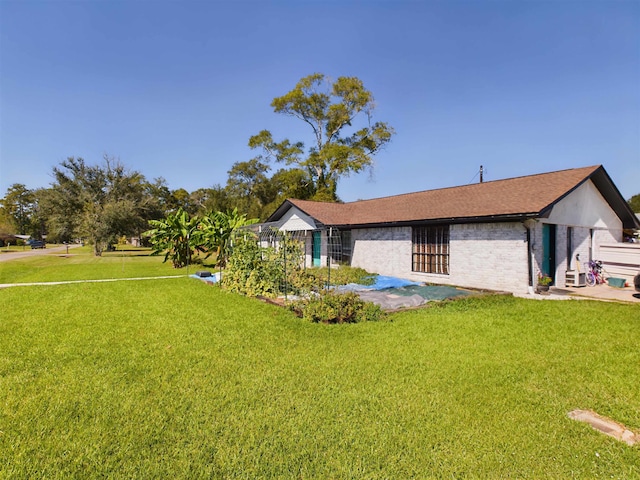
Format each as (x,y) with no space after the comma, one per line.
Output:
(386,251)
(490,255)
(487,256)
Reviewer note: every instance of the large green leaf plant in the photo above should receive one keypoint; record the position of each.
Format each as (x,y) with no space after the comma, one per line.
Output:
(177,235)
(218,230)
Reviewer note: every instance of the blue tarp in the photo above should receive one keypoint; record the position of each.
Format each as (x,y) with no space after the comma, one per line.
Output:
(215,277)
(381,282)
(394,287)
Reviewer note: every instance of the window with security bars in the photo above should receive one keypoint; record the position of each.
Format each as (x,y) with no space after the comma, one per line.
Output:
(339,246)
(431,249)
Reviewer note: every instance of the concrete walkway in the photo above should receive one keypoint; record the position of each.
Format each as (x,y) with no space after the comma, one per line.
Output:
(67,282)
(598,292)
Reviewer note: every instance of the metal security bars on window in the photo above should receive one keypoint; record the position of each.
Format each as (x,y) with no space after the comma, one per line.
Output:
(431,249)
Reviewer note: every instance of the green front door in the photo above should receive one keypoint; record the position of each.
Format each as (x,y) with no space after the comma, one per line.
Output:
(548,249)
(316,241)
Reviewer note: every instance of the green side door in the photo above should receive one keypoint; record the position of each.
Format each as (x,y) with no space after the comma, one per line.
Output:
(316,242)
(549,250)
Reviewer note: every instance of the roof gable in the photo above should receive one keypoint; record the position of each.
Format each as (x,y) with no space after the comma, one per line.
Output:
(294,220)
(509,199)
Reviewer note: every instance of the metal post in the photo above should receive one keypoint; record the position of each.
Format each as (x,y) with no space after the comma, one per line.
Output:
(285,266)
(188,254)
(329,258)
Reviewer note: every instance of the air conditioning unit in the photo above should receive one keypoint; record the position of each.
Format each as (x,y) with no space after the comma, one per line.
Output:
(573,278)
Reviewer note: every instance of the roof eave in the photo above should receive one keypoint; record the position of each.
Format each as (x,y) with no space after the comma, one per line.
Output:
(603,182)
(519,217)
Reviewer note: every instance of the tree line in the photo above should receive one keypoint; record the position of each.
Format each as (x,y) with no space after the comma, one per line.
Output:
(102,202)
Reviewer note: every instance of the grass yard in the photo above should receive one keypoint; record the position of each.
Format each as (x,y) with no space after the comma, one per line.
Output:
(177,379)
(82,264)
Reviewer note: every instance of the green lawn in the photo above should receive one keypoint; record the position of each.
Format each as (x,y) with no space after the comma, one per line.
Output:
(177,379)
(82,264)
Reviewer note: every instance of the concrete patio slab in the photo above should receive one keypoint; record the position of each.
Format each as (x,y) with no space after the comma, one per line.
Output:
(598,292)
(601,292)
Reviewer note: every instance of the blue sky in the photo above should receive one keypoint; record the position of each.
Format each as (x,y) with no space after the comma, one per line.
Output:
(175,89)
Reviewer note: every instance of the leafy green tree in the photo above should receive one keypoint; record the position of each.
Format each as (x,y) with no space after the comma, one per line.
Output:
(329,109)
(19,207)
(158,200)
(288,183)
(177,236)
(181,199)
(96,202)
(249,187)
(6,227)
(211,199)
(634,203)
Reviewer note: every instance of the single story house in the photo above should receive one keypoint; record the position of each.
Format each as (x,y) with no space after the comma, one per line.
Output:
(498,235)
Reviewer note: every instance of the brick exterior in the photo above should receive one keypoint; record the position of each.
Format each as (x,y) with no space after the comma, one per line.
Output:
(493,256)
(487,256)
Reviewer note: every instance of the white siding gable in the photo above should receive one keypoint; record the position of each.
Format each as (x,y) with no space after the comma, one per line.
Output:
(295,220)
(585,207)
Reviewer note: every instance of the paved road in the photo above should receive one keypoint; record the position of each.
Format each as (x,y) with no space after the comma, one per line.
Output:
(28,252)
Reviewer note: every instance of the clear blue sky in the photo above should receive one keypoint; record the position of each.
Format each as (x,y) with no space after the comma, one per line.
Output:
(175,89)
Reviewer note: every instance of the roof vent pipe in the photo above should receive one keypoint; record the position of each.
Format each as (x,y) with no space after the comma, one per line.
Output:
(481,174)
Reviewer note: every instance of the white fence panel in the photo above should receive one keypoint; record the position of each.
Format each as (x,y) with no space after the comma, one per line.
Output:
(621,260)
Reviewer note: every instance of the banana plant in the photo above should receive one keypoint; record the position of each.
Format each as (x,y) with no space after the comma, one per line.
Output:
(217,231)
(177,235)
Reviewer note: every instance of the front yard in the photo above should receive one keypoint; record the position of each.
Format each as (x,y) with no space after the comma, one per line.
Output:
(177,379)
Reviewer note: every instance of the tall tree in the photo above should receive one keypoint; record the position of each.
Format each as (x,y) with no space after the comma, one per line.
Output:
(215,198)
(97,202)
(181,199)
(329,109)
(19,206)
(158,200)
(289,183)
(634,203)
(248,186)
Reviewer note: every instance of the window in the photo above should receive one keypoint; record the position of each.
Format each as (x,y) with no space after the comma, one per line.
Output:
(339,246)
(346,247)
(431,249)
(569,247)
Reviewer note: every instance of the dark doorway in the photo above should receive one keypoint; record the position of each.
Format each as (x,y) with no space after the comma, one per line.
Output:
(549,250)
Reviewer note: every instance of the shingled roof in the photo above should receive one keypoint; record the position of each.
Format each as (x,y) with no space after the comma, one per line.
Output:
(500,200)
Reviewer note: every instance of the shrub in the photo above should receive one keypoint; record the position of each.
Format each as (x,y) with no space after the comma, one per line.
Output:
(341,276)
(331,307)
(254,270)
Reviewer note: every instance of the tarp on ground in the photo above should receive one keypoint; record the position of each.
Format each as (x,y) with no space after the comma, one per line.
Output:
(392,293)
(389,301)
(381,282)
(214,278)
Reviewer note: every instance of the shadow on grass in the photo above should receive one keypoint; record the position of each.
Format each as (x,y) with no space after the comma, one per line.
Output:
(127,254)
